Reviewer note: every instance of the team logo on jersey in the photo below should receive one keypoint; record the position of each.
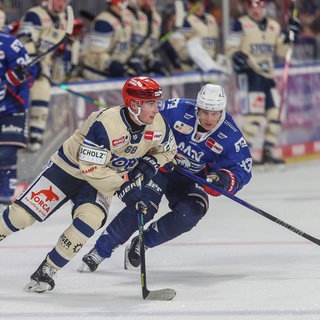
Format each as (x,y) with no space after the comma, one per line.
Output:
(182,127)
(188,116)
(92,155)
(241,143)
(119,142)
(222,135)
(43,197)
(153,135)
(214,145)
(2,54)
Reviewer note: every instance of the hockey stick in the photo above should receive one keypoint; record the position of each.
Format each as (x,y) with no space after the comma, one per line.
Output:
(85,97)
(180,16)
(248,205)
(179,20)
(162,294)
(287,61)
(68,33)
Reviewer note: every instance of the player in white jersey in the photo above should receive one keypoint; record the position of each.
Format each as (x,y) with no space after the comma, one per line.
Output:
(89,168)
(47,25)
(108,43)
(252,44)
(197,41)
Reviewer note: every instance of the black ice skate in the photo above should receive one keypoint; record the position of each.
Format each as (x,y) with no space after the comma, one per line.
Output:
(90,261)
(132,254)
(42,279)
(268,158)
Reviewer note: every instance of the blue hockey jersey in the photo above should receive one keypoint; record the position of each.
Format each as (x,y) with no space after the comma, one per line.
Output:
(222,148)
(12,53)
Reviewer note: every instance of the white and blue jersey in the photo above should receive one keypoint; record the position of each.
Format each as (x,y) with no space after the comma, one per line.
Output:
(223,148)
(12,53)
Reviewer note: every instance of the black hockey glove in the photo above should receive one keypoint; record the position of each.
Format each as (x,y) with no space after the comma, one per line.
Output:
(240,62)
(146,168)
(136,64)
(223,179)
(16,76)
(131,195)
(158,67)
(115,68)
(294,28)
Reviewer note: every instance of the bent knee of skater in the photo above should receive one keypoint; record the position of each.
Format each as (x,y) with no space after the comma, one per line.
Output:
(17,218)
(91,215)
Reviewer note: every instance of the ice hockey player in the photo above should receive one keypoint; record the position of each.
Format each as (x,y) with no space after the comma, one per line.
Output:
(197,41)
(14,102)
(109,43)
(253,43)
(47,25)
(89,168)
(145,36)
(209,145)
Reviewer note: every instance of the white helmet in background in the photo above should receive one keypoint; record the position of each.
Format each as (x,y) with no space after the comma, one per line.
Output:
(212,97)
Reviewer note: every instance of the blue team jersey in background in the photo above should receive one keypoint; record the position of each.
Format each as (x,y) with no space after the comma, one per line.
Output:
(12,53)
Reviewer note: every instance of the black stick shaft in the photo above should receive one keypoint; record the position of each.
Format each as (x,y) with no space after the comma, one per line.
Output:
(250,206)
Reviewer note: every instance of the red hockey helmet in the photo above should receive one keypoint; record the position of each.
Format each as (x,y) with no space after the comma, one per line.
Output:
(257,3)
(140,89)
(114,2)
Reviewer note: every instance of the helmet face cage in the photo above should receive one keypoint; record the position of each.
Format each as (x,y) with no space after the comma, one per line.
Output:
(140,89)
(212,97)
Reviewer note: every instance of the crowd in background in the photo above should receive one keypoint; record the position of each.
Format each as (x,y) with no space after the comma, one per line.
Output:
(306,47)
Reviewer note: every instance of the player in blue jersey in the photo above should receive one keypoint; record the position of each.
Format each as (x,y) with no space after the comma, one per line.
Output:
(209,145)
(15,86)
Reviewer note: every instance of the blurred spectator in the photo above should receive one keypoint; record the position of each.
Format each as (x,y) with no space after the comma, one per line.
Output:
(14,103)
(197,42)
(153,63)
(306,47)
(109,41)
(46,24)
(254,41)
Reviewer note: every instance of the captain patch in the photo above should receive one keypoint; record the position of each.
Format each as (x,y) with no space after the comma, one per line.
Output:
(92,155)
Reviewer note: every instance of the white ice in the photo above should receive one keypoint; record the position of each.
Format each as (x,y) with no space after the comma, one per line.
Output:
(236,264)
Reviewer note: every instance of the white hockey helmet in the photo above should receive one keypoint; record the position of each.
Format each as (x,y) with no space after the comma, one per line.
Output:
(212,97)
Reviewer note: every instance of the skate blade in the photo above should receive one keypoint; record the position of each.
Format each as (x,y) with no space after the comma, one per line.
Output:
(84,268)
(126,263)
(38,287)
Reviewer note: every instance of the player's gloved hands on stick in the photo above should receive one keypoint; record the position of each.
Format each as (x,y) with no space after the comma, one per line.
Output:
(146,168)
(16,76)
(223,179)
(294,27)
(131,195)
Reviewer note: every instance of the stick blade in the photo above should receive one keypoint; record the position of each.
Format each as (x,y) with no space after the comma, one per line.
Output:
(162,294)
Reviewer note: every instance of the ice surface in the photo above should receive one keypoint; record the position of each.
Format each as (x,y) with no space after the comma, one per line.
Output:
(235,264)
